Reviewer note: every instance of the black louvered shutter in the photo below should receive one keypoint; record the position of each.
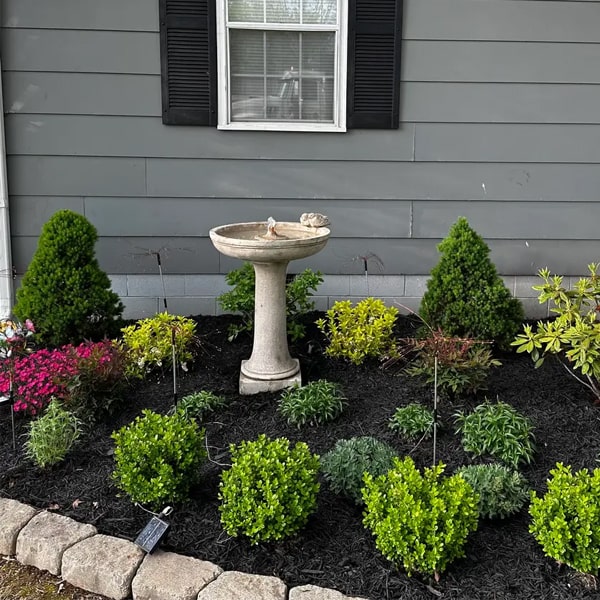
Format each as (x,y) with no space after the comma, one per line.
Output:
(188,49)
(374,41)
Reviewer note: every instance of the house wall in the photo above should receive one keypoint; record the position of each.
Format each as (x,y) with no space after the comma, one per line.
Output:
(500,122)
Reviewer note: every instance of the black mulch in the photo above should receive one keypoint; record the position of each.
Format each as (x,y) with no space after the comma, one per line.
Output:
(502,559)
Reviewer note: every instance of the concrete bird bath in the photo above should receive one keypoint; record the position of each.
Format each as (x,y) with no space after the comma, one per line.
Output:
(269,246)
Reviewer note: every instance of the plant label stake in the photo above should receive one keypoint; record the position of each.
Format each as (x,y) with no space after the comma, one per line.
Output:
(174,357)
(10,400)
(435,417)
(151,536)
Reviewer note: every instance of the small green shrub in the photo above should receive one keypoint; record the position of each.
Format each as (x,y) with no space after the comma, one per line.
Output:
(52,435)
(199,404)
(158,458)
(315,403)
(356,333)
(463,364)
(270,490)
(574,336)
(64,291)
(465,296)
(412,421)
(148,343)
(420,522)
(345,465)
(498,430)
(502,491)
(240,299)
(566,520)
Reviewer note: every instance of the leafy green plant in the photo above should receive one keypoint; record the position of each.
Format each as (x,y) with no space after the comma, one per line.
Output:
(52,435)
(463,364)
(412,421)
(465,296)
(566,520)
(148,343)
(64,291)
(158,458)
(420,522)
(199,404)
(270,490)
(355,333)
(346,463)
(315,403)
(502,491)
(498,430)
(240,299)
(574,336)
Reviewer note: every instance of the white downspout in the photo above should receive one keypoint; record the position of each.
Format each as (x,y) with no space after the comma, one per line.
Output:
(6,283)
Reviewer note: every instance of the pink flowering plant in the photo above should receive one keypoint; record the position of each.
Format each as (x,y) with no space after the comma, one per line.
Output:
(14,337)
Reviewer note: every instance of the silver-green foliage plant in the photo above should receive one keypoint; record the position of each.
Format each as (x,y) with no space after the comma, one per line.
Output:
(420,522)
(270,490)
(199,404)
(412,421)
(497,430)
(51,436)
(315,403)
(502,490)
(240,299)
(158,458)
(361,331)
(574,336)
(148,344)
(346,463)
(566,519)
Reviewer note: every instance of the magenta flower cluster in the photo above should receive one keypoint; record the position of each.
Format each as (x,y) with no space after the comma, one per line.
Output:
(46,374)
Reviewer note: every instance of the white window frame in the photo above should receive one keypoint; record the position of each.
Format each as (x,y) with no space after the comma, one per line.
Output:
(340,76)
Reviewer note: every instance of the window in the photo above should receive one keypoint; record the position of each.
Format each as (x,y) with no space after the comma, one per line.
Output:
(308,65)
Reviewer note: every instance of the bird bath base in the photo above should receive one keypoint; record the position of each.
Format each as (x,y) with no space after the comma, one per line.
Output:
(249,385)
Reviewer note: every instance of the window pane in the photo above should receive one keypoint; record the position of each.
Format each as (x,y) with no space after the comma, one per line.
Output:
(251,11)
(293,82)
(319,11)
(283,11)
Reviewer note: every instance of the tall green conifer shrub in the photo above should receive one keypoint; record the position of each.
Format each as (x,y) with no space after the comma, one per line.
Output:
(465,295)
(64,291)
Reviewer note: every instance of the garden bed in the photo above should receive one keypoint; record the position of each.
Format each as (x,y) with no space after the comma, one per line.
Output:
(502,559)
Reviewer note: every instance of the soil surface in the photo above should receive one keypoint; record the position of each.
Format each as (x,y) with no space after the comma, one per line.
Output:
(502,560)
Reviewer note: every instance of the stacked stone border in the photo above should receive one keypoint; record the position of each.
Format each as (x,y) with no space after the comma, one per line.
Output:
(119,569)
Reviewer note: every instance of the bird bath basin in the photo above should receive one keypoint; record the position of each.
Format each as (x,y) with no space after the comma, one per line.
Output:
(269,246)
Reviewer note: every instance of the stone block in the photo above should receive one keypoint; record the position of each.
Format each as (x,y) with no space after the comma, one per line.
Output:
(170,576)
(102,564)
(312,592)
(43,541)
(233,585)
(13,517)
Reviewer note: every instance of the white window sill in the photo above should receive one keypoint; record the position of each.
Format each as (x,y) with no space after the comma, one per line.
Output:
(265,126)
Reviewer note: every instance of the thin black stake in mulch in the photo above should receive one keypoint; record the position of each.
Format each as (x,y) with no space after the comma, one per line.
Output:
(10,400)
(162,280)
(435,413)
(174,357)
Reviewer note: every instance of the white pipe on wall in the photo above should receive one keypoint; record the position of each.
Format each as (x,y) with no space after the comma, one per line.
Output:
(6,284)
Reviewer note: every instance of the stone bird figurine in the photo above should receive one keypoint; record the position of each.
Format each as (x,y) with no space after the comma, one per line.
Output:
(314,220)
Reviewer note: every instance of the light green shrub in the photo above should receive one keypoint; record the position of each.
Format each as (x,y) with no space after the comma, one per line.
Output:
(315,403)
(199,404)
(412,421)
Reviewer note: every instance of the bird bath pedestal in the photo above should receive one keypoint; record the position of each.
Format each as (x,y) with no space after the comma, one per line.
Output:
(269,249)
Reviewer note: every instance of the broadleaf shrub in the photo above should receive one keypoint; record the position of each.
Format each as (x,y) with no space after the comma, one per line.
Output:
(420,522)
(199,404)
(64,291)
(566,519)
(412,421)
(497,430)
(574,336)
(158,458)
(346,463)
(502,491)
(270,490)
(314,403)
(148,344)
(356,333)
(298,293)
(465,296)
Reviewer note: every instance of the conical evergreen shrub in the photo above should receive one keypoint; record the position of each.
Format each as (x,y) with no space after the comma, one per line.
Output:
(465,295)
(64,291)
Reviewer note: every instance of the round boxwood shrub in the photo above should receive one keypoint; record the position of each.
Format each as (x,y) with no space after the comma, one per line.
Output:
(502,491)
(465,296)
(64,291)
(566,519)
(420,522)
(270,490)
(345,465)
(158,458)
